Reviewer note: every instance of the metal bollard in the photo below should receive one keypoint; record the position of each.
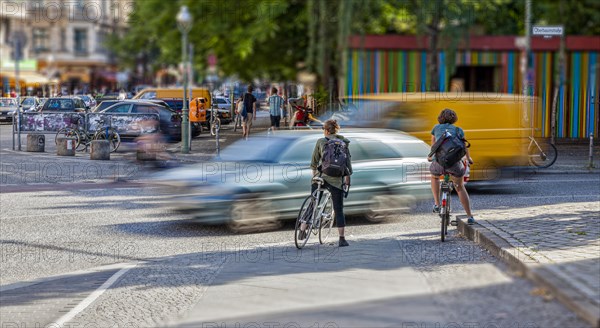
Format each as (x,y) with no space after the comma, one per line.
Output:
(65,146)
(591,163)
(36,143)
(100,150)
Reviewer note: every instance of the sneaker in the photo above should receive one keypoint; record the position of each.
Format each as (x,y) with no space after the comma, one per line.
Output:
(436,209)
(302,235)
(343,242)
(471,221)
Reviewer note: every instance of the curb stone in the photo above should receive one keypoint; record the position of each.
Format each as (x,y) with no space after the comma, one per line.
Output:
(547,277)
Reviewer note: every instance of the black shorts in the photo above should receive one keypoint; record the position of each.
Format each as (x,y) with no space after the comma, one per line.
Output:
(457,170)
(275,120)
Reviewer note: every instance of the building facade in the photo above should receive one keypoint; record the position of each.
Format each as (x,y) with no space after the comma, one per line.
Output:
(493,64)
(66,39)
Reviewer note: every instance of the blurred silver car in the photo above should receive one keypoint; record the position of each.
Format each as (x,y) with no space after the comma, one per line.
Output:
(8,107)
(258,183)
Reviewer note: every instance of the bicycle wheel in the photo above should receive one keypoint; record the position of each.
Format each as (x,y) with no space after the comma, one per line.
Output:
(84,141)
(70,133)
(304,216)
(443,217)
(112,136)
(327,218)
(214,127)
(542,155)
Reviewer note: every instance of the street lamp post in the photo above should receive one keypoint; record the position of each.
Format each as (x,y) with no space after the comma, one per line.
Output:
(184,22)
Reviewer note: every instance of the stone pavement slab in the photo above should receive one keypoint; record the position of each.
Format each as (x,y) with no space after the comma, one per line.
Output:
(561,241)
(379,281)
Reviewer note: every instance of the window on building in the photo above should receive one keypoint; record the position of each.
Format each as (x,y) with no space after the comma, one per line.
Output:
(475,78)
(63,39)
(101,39)
(80,38)
(40,40)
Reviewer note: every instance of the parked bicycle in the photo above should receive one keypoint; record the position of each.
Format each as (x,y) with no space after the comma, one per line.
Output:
(542,155)
(83,139)
(215,122)
(316,214)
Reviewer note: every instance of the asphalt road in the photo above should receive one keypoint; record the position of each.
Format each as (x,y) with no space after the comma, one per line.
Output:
(54,232)
(59,243)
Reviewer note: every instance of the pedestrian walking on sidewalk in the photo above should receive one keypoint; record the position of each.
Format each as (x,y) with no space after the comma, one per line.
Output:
(248,111)
(336,185)
(446,120)
(276,108)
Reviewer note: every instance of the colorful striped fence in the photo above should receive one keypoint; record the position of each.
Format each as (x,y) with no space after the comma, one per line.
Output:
(578,112)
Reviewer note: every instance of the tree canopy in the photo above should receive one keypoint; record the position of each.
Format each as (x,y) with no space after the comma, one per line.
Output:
(274,39)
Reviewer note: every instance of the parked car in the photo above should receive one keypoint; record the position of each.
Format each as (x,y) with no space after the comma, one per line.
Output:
(162,93)
(27,103)
(223,115)
(107,103)
(170,120)
(37,107)
(64,104)
(174,103)
(266,178)
(104,104)
(222,103)
(88,100)
(8,106)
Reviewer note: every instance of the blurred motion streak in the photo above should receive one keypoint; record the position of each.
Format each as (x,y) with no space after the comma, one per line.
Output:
(260,182)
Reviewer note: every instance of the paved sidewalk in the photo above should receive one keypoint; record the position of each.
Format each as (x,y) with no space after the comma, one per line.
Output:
(574,158)
(557,245)
(395,280)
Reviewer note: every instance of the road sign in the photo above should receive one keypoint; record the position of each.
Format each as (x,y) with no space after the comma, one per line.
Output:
(548,31)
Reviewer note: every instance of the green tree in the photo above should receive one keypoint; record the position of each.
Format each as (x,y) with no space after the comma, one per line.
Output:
(250,38)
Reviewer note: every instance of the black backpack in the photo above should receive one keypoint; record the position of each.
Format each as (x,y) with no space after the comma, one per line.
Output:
(449,149)
(334,161)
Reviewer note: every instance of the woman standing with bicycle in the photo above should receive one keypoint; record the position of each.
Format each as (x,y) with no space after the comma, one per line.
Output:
(335,185)
(446,120)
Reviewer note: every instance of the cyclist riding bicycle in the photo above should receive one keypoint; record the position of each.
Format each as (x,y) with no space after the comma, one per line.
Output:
(335,185)
(446,120)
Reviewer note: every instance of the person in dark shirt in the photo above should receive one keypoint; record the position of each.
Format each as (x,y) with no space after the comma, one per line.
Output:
(248,111)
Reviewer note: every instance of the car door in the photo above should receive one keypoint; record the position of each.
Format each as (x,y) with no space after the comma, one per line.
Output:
(376,166)
(115,115)
(147,117)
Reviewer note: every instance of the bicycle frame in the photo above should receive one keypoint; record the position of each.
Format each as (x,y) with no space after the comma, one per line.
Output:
(446,187)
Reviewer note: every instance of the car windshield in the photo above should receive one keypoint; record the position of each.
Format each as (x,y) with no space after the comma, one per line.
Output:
(85,98)
(8,102)
(28,101)
(105,104)
(257,149)
(175,104)
(60,104)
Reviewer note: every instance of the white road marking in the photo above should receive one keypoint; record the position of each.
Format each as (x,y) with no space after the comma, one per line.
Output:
(563,196)
(23,284)
(91,298)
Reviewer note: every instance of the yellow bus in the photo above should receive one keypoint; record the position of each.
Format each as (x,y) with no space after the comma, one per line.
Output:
(152,93)
(496,125)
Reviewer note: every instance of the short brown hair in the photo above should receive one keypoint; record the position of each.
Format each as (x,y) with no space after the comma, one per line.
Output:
(447,116)
(250,88)
(274,90)
(331,126)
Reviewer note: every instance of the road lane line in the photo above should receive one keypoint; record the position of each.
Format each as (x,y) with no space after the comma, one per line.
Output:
(73,274)
(563,196)
(92,297)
